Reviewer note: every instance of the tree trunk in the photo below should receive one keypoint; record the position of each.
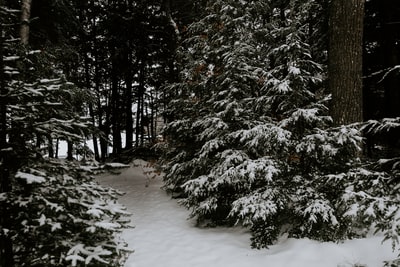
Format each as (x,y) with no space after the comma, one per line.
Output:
(94,135)
(25,18)
(103,138)
(168,14)
(345,60)
(57,143)
(146,122)
(115,122)
(139,110)
(153,113)
(91,112)
(128,105)
(129,117)
(103,127)
(50,146)
(70,152)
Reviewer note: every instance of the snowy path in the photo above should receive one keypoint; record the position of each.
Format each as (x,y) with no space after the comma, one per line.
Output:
(163,237)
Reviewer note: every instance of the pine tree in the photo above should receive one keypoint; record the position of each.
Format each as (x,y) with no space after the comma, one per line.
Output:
(251,135)
(61,217)
(45,195)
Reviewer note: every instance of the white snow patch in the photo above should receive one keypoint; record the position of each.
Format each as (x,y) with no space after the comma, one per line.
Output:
(30,178)
(164,237)
(283,87)
(117,165)
(294,70)
(95,213)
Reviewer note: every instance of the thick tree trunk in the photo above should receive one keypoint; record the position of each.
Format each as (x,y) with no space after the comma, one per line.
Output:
(25,18)
(345,60)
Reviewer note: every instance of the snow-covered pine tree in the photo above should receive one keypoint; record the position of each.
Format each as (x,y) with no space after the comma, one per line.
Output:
(299,147)
(57,215)
(223,71)
(253,143)
(63,218)
(43,111)
(372,190)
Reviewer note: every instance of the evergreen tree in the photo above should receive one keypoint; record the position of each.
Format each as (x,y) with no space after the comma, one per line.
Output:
(43,195)
(251,133)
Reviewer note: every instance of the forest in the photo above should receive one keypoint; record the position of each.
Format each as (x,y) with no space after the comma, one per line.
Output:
(282,116)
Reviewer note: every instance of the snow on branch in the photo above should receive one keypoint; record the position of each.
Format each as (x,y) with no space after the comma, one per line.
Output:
(30,178)
(384,125)
(390,71)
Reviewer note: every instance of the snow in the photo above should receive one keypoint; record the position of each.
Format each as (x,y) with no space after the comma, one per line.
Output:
(163,236)
(11,58)
(30,178)
(116,165)
(90,252)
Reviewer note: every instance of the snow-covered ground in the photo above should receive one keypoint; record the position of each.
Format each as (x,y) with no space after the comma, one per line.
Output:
(164,237)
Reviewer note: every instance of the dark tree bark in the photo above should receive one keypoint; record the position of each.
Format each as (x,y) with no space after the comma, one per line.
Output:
(152,118)
(102,125)
(50,147)
(57,143)
(115,122)
(70,152)
(140,102)
(91,111)
(104,129)
(129,116)
(345,60)
(94,135)
(128,103)
(25,18)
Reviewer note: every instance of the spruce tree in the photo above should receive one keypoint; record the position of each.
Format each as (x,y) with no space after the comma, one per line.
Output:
(56,214)
(251,138)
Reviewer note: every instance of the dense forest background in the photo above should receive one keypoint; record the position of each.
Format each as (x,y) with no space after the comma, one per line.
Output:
(280,115)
